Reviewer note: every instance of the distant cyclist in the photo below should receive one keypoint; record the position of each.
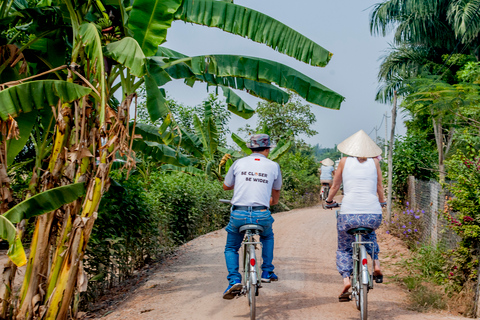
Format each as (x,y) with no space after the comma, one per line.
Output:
(256,181)
(327,171)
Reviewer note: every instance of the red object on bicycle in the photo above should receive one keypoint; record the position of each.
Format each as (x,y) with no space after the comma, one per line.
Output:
(252,262)
(364,261)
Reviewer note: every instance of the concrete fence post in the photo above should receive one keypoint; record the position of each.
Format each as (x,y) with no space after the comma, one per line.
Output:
(434,190)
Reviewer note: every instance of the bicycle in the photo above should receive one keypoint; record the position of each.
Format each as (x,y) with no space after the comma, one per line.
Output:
(324,191)
(362,279)
(251,266)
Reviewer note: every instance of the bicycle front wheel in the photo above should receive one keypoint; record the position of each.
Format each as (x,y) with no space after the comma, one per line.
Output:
(363,301)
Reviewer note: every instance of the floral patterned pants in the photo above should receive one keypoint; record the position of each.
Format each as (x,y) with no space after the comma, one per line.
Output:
(346,222)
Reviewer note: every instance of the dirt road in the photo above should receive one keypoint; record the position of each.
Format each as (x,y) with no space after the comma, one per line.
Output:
(190,286)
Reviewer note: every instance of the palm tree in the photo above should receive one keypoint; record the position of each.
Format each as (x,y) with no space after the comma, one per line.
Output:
(65,98)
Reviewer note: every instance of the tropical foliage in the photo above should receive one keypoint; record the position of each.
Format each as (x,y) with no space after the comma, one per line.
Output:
(63,102)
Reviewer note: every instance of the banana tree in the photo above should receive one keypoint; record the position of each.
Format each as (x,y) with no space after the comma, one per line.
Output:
(98,52)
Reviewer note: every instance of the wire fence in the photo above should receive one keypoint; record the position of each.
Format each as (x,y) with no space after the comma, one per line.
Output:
(430,199)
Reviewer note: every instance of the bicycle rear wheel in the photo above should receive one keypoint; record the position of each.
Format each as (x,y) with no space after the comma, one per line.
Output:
(252,300)
(363,301)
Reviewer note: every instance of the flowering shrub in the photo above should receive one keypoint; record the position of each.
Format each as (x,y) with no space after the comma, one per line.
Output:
(406,225)
(464,171)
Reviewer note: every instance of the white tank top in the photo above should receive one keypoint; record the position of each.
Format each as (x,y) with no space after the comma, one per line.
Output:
(360,187)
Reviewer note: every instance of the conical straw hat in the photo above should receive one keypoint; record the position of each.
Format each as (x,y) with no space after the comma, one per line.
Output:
(327,162)
(359,145)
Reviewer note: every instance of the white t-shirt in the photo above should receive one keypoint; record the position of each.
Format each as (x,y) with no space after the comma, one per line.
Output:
(254,177)
(360,187)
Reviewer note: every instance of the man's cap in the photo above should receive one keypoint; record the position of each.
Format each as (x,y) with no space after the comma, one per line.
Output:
(260,140)
(327,162)
(360,145)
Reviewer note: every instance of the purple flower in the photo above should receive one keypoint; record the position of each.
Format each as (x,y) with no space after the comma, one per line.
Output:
(403,212)
(404,226)
(404,232)
(409,222)
(409,230)
(406,235)
(416,230)
(411,211)
(418,242)
(388,232)
(417,217)
(407,203)
(423,211)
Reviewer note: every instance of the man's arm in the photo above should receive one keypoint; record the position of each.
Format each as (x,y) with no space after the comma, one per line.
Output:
(275,197)
(225,187)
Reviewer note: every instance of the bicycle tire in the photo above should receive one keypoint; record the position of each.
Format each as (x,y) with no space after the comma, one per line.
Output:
(363,301)
(252,300)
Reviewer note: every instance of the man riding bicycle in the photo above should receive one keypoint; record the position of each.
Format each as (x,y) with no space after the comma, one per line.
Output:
(256,181)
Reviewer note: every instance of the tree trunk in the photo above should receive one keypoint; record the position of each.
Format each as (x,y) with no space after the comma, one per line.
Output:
(390,155)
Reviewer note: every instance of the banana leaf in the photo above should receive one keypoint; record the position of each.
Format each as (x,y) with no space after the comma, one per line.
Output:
(280,149)
(45,202)
(127,52)
(190,142)
(149,21)
(207,132)
(242,144)
(40,94)
(161,152)
(25,122)
(90,40)
(253,25)
(39,204)
(156,103)
(181,69)
(236,104)
(260,70)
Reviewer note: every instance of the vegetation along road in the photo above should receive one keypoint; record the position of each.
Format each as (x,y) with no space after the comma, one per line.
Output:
(190,285)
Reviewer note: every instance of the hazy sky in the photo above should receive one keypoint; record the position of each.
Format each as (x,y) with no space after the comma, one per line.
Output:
(340,26)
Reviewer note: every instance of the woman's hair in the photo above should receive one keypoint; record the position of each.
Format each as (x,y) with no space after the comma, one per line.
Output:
(259,149)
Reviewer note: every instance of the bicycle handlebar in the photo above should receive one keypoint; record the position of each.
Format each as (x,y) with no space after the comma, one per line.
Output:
(332,205)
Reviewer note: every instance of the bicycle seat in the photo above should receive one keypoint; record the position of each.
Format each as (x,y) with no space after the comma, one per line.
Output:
(246,227)
(361,230)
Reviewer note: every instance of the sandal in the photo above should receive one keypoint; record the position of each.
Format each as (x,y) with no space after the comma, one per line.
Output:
(345,297)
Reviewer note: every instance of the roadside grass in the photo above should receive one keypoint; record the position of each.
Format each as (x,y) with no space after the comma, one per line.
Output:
(423,271)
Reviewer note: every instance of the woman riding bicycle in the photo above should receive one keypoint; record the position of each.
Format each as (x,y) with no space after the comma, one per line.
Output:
(363,193)
(327,171)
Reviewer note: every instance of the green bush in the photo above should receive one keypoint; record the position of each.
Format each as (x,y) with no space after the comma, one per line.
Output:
(301,184)
(414,154)
(188,205)
(124,238)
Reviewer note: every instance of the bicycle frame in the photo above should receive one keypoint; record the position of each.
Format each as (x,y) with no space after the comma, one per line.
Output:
(251,270)
(249,246)
(360,262)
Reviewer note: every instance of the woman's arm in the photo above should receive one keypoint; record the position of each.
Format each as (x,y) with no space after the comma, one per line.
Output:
(337,180)
(380,192)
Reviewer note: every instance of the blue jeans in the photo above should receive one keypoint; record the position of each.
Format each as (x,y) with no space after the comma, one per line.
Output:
(239,218)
